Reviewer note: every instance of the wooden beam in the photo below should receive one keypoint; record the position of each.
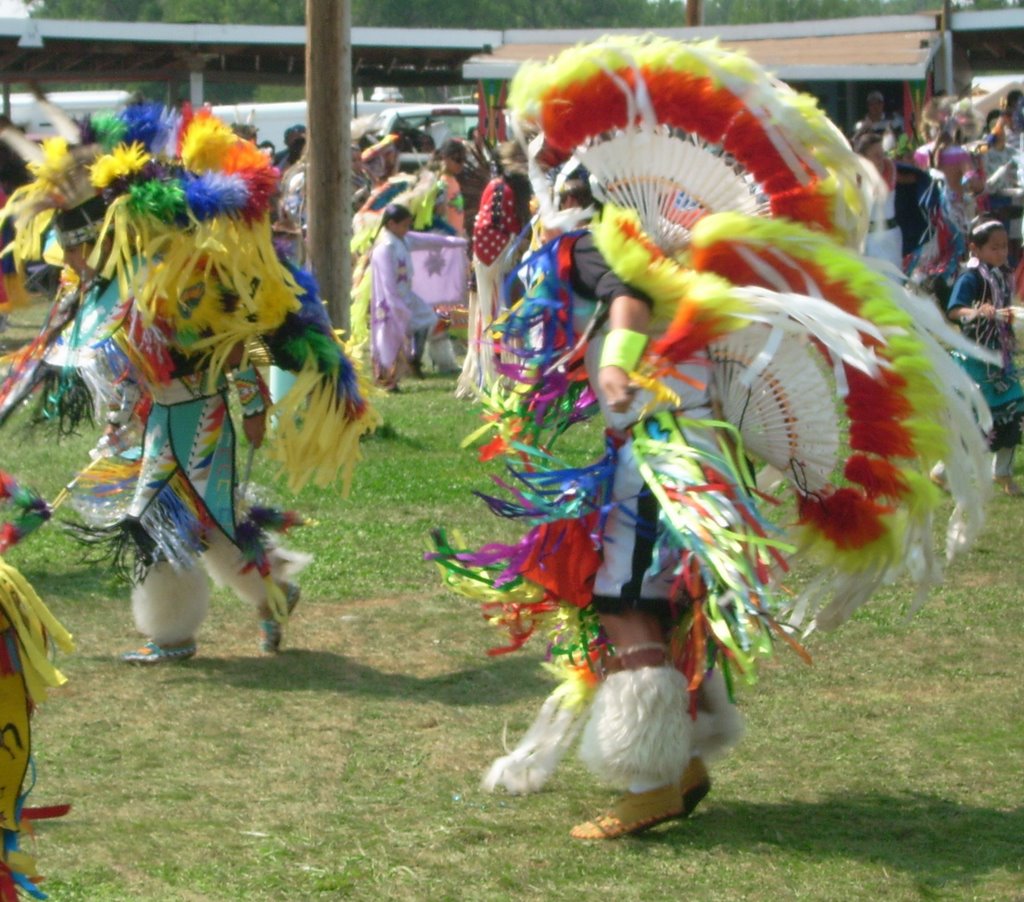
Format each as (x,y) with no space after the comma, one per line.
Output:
(328,187)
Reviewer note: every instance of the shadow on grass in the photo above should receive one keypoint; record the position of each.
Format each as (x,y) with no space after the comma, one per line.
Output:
(937,841)
(80,583)
(387,433)
(494,682)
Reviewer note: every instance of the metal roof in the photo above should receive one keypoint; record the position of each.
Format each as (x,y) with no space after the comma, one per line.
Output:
(877,48)
(57,50)
(869,48)
(993,40)
(879,57)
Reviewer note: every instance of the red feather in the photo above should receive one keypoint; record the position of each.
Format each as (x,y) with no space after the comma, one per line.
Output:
(748,142)
(563,560)
(887,439)
(691,103)
(576,111)
(805,205)
(872,399)
(878,477)
(846,518)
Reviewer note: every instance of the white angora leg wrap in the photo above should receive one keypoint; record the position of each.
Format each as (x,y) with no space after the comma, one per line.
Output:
(719,724)
(169,605)
(223,561)
(638,728)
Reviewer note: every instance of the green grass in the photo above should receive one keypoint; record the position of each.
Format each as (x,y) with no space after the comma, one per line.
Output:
(349,766)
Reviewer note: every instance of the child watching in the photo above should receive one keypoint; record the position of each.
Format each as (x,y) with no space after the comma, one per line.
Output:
(980,302)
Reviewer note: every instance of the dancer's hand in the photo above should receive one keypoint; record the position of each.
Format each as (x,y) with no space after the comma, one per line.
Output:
(255,426)
(617,388)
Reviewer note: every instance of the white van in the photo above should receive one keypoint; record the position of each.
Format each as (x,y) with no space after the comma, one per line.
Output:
(34,120)
(271,119)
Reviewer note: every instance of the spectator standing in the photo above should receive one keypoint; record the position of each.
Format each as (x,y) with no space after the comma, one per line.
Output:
(877,121)
(294,144)
(884,239)
(1002,184)
(449,206)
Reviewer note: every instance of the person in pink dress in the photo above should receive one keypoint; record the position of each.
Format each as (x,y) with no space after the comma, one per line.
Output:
(396,311)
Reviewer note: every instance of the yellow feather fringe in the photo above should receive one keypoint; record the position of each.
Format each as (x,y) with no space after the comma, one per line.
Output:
(312,442)
(34,624)
(123,161)
(666,281)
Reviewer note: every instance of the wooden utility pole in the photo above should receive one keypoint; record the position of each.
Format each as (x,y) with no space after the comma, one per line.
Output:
(694,15)
(328,185)
(949,84)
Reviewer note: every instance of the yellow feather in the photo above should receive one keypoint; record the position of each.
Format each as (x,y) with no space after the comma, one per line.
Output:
(122,162)
(206,144)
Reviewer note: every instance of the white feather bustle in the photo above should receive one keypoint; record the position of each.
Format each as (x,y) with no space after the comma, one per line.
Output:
(638,728)
(223,562)
(719,725)
(479,369)
(532,762)
(170,604)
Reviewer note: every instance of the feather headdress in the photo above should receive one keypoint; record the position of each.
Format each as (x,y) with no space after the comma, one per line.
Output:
(186,231)
(677,131)
(951,116)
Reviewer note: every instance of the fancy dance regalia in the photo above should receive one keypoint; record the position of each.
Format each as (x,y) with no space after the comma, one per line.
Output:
(76,385)
(947,204)
(185,279)
(498,228)
(394,302)
(28,633)
(731,204)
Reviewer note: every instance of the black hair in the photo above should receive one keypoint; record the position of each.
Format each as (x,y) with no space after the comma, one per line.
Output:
(983,228)
(863,142)
(453,149)
(395,213)
(577,188)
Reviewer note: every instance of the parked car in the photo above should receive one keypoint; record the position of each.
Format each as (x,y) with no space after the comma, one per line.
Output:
(422,128)
(387,94)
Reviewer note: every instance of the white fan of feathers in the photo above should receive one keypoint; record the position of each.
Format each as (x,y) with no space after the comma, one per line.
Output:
(670,179)
(786,412)
(775,386)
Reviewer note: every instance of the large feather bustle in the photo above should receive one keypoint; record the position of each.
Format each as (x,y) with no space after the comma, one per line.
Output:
(913,411)
(892,375)
(606,91)
(914,344)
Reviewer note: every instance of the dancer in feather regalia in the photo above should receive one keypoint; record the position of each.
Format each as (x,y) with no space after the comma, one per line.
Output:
(28,633)
(164,217)
(718,315)
(498,228)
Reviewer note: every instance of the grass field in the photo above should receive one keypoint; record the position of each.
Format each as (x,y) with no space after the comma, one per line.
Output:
(348,766)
